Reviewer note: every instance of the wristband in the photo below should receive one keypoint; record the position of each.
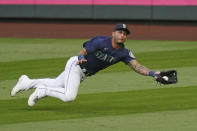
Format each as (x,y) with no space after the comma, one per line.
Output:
(80,57)
(152,73)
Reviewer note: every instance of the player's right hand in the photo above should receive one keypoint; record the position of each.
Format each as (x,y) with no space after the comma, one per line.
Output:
(81,61)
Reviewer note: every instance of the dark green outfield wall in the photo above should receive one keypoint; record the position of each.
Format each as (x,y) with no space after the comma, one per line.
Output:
(46,11)
(122,12)
(100,12)
(174,13)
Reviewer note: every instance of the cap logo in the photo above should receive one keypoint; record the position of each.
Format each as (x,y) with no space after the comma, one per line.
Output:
(124,26)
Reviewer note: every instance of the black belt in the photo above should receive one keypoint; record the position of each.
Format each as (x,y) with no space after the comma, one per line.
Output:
(85,71)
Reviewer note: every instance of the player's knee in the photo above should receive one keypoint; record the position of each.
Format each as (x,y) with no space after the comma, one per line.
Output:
(68,98)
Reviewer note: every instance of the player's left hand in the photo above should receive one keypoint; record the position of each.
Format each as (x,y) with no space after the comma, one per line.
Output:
(167,77)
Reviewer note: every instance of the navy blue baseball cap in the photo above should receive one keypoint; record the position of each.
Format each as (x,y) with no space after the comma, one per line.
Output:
(123,27)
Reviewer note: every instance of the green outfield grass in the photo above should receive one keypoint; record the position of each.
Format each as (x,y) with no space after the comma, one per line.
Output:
(115,99)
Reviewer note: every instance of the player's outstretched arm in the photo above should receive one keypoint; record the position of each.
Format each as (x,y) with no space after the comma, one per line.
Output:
(139,68)
(164,77)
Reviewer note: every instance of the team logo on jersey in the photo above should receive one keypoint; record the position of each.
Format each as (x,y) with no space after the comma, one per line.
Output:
(124,26)
(105,49)
(105,57)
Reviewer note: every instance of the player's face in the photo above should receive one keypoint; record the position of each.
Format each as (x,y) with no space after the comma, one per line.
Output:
(119,36)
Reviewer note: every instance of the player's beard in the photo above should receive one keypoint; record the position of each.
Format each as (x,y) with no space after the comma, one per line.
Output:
(119,43)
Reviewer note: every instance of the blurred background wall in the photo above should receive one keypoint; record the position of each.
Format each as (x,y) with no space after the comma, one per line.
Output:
(100,9)
(149,19)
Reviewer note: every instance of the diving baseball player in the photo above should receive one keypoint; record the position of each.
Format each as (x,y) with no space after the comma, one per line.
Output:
(97,54)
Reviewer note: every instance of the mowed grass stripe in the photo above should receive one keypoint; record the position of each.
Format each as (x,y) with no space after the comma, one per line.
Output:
(33,68)
(52,67)
(29,49)
(154,121)
(101,104)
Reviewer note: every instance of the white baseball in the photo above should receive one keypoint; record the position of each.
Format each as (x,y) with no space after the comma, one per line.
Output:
(165,78)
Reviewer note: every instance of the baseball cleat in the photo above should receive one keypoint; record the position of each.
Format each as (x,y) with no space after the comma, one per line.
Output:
(23,84)
(36,95)
(33,98)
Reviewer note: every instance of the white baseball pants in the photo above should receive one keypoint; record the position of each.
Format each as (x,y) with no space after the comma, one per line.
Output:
(65,86)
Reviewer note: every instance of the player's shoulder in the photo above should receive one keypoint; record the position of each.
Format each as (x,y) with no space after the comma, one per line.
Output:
(127,52)
(100,40)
